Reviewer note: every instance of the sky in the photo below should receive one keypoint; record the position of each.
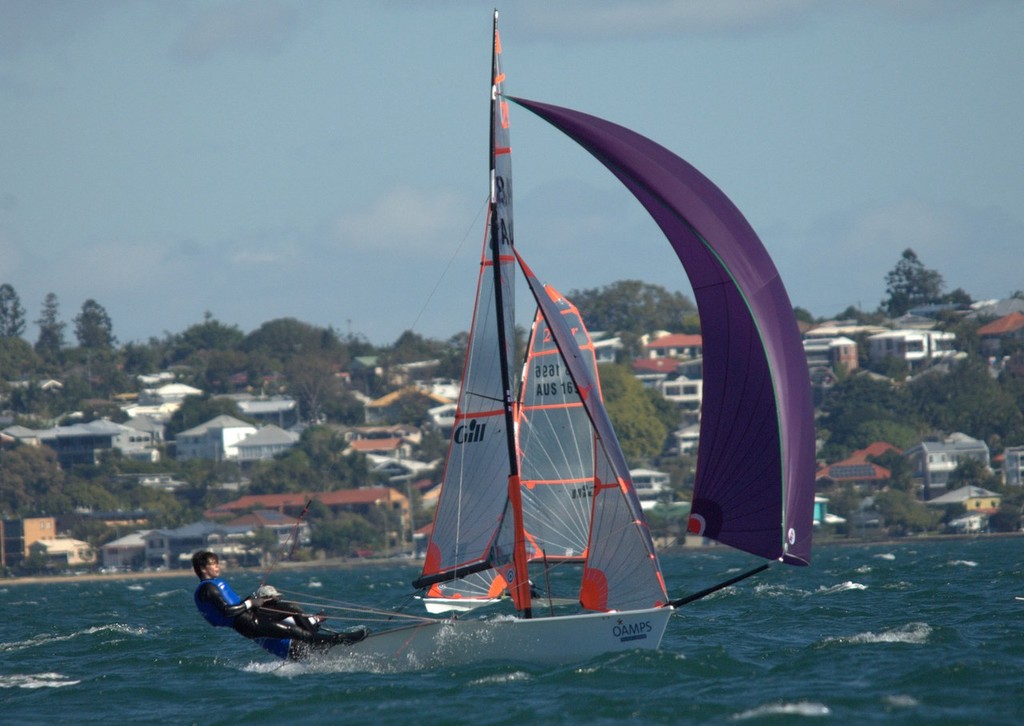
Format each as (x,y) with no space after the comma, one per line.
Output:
(327,161)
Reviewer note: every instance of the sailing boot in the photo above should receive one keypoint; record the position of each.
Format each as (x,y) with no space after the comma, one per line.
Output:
(353,635)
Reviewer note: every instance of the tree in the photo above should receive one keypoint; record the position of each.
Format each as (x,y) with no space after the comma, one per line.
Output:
(93,327)
(343,534)
(902,511)
(32,479)
(632,306)
(968,399)
(641,433)
(208,335)
(909,284)
(51,331)
(312,380)
(16,358)
(861,410)
(12,314)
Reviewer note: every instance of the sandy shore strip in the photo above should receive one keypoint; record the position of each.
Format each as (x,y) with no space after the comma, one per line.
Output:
(338,563)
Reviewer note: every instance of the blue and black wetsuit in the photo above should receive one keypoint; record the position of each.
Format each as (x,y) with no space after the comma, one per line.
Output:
(271,628)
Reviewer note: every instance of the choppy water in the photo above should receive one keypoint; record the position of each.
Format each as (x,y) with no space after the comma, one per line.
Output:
(917,632)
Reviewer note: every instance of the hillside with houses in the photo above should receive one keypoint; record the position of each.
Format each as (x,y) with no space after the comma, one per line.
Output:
(293,441)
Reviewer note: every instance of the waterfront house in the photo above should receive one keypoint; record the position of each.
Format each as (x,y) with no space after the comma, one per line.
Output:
(125,553)
(173,548)
(18,535)
(63,552)
(971,498)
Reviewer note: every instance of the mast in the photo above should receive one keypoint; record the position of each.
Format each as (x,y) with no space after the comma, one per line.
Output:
(501,235)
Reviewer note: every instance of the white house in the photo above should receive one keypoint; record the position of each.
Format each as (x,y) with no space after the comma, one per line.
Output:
(1013,466)
(652,487)
(683,391)
(915,347)
(931,462)
(266,443)
(216,439)
(125,553)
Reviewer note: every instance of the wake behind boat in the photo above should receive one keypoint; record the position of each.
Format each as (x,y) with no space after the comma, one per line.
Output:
(535,479)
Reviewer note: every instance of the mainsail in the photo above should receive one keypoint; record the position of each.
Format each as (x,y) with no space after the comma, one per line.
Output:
(561,490)
(474,501)
(754,482)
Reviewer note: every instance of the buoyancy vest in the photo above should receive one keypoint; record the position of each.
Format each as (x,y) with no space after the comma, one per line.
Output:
(209,609)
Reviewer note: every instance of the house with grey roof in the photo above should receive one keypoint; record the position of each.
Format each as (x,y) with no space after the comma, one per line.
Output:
(216,439)
(266,443)
(173,548)
(125,553)
(932,461)
(83,443)
(279,410)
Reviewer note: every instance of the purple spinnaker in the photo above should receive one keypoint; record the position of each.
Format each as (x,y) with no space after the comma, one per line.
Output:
(754,488)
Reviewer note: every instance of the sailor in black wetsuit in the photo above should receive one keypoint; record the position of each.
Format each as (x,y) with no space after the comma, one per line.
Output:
(279,627)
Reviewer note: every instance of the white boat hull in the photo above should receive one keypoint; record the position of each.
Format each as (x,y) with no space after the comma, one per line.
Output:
(442,605)
(549,641)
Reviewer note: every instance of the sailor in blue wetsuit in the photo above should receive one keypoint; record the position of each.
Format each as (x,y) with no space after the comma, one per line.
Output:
(279,627)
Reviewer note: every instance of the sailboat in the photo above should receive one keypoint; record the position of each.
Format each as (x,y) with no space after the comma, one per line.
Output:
(534,473)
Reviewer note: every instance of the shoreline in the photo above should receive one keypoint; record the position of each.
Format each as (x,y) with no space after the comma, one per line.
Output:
(346,563)
(331,563)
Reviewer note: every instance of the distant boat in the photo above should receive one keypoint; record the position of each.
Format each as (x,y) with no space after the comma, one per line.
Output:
(534,474)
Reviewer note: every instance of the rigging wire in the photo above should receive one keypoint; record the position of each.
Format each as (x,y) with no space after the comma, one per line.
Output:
(293,538)
(448,265)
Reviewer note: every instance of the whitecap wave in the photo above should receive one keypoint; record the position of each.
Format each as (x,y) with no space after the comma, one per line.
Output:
(36,680)
(886,556)
(901,700)
(963,563)
(502,678)
(800,708)
(912,633)
(48,638)
(841,587)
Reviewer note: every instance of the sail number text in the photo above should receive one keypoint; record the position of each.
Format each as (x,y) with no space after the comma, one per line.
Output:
(550,387)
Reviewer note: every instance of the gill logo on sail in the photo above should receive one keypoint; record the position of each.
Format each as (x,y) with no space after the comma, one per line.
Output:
(469,433)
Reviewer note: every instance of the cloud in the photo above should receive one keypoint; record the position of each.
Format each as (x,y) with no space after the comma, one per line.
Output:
(403,219)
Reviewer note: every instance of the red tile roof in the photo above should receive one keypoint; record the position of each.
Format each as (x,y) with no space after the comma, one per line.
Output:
(297,500)
(367,445)
(655,365)
(676,340)
(1007,324)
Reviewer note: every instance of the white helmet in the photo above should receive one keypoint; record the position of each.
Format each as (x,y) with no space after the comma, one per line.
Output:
(268,591)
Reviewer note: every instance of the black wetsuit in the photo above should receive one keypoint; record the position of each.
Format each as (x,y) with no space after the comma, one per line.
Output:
(278,626)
